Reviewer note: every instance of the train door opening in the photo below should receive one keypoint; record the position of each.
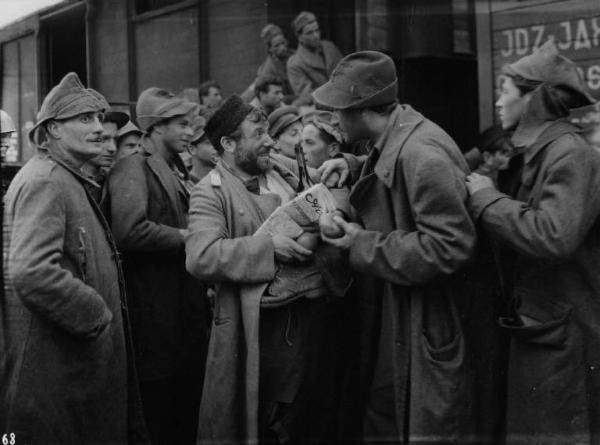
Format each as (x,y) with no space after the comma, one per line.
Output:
(63,46)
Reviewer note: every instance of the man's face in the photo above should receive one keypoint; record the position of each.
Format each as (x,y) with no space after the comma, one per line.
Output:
(4,143)
(106,159)
(352,125)
(315,149)
(511,104)
(213,99)
(128,144)
(273,97)
(310,35)
(289,138)
(279,46)
(204,152)
(80,136)
(252,150)
(177,133)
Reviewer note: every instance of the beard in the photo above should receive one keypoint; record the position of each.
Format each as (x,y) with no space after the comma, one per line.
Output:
(252,162)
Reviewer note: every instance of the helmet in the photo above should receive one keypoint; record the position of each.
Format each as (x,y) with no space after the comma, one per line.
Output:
(6,123)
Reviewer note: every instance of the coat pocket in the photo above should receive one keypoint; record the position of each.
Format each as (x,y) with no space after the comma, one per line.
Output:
(539,319)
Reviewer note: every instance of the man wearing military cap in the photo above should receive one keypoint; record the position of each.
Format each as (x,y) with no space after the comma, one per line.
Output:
(149,195)
(274,66)
(309,67)
(413,237)
(66,365)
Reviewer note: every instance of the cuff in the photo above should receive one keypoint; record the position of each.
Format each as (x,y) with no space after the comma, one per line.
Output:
(482,199)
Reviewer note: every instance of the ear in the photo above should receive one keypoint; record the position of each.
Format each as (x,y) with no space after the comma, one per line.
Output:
(333,149)
(487,157)
(228,144)
(53,129)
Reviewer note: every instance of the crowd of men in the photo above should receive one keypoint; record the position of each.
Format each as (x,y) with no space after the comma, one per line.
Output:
(449,298)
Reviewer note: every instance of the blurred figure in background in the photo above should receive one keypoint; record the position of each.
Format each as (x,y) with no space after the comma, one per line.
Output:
(203,155)
(285,128)
(7,128)
(128,140)
(269,94)
(496,150)
(211,96)
(314,60)
(275,65)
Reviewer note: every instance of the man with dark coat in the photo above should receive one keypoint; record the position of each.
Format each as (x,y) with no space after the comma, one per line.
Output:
(275,65)
(149,195)
(312,63)
(269,371)
(414,236)
(66,365)
(551,227)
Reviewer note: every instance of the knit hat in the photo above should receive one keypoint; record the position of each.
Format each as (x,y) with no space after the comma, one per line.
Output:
(268,32)
(282,118)
(156,105)
(226,120)
(66,100)
(548,66)
(325,121)
(301,20)
(361,80)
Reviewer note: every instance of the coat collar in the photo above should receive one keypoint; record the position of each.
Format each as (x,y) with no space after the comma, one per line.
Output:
(162,170)
(75,171)
(316,60)
(402,122)
(546,134)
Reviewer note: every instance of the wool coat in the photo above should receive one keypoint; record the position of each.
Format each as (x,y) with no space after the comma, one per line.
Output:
(552,228)
(66,365)
(417,238)
(170,313)
(308,70)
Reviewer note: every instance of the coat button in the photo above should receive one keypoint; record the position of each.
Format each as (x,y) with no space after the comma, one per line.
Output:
(241,212)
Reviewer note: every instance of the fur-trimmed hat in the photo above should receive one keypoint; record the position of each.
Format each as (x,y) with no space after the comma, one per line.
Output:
(226,120)
(361,80)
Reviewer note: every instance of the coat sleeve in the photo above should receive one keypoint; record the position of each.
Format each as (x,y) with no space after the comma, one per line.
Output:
(558,224)
(444,237)
(46,288)
(132,229)
(213,255)
(300,83)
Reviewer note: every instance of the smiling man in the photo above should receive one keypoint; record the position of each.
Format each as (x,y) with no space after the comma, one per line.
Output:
(272,383)
(149,193)
(65,372)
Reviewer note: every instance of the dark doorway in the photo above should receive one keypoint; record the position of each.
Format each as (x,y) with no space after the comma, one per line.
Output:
(63,39)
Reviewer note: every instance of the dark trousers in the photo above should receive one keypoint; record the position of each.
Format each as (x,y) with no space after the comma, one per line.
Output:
(171,409)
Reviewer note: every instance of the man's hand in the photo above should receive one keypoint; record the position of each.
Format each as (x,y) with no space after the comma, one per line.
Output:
(287,250)
(330,168)
(350,231)
(476,182)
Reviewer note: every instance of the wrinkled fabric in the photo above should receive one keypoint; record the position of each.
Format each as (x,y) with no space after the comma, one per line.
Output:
(552,227)
(66,100)
(410,262)
(307,70)
(66,360)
